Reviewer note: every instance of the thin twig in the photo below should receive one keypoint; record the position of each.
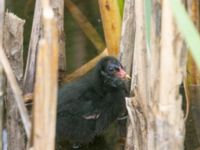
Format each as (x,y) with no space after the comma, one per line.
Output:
(85,25)
(186,90)
(85,68)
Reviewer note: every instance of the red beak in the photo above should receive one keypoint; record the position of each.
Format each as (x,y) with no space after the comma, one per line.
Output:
(122,74)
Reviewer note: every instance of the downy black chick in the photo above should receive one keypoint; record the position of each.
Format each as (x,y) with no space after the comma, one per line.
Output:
(89,105)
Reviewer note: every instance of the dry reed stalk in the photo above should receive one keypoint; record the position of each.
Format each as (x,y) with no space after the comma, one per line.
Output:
(46,84)
(111,19)
(17,92)
(29,75)
(127,36)
(13,46)
(2,76)
(169,119)
(156,79)
(2,92)
(134,42)
(36,34)
(154,70)
(140,62)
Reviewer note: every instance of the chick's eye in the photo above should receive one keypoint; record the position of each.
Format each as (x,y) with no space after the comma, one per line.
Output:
(110,68)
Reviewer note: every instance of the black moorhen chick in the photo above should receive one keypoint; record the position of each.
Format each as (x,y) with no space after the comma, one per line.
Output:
(89,105)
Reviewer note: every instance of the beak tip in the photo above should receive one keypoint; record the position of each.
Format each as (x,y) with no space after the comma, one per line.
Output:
(128,77)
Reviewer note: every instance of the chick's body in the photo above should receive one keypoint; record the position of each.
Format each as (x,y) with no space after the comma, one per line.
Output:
(87,106)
